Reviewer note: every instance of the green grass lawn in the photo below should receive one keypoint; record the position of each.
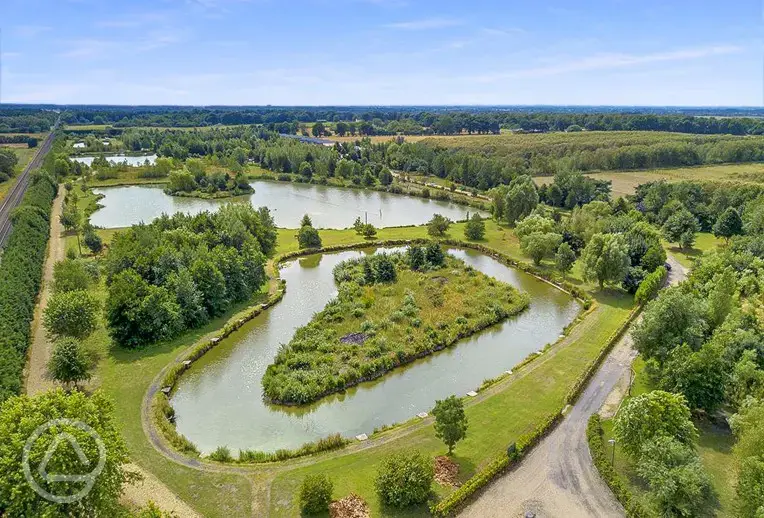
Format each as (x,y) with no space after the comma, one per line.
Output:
(498,416)
(704,241)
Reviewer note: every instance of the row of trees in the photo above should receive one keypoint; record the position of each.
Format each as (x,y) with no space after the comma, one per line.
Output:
(20,277)
(446,120)
(181,270)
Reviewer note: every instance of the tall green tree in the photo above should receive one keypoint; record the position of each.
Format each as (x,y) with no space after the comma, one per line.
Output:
(681,223)
(474,229)
(653,414)
(438,225)
(728,224)
(71,313)
(564,258)
(606,259)
(522,197)
(450,421)
(69,362)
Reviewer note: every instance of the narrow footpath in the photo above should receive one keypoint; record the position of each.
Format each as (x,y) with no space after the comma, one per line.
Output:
(558,477)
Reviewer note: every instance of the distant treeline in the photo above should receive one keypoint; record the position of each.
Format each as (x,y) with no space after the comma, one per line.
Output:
(19,120)
(479,167)
(444,121)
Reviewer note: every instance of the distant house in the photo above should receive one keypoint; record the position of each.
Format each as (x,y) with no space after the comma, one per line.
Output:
(79,145)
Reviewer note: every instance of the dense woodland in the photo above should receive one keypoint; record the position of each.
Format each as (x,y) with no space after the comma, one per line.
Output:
(26,120)
(179,271)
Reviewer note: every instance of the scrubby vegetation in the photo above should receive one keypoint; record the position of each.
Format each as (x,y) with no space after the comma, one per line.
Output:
(391,309)
(179,271)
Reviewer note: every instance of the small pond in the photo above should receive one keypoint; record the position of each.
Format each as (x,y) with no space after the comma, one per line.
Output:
(133,161)
(329,207)
(219,400)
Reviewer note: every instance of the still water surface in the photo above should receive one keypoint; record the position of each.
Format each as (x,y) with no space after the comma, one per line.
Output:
(329,207)
(133,161)
(219,400)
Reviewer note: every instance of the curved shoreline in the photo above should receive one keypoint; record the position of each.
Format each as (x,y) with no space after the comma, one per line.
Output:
(161,431)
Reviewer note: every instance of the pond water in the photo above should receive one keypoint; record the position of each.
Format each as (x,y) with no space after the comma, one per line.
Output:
(218,402)
(133,161)
(329,207)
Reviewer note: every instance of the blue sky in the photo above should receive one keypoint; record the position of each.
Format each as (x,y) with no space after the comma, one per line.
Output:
(345,52)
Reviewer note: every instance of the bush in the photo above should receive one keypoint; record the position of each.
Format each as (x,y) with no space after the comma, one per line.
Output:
(405,479)
(316,494)
(650,286)
(221,454)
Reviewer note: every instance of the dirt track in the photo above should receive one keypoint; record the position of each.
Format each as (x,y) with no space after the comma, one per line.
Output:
(558,477)
(39,352)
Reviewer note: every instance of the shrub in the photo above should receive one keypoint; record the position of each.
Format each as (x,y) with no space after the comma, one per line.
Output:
(405,479)
(93,241)
(650,286)
(70,275)
(221,454)
(308,237)
(316,494)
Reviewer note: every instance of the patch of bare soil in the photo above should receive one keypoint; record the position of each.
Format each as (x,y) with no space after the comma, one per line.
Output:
(446,471)
(354,338)
(352,506)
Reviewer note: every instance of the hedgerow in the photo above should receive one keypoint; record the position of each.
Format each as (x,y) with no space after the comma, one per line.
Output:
(20,278)
(595,436)
(651,285)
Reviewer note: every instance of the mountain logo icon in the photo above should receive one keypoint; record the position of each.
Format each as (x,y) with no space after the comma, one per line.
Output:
(63,439)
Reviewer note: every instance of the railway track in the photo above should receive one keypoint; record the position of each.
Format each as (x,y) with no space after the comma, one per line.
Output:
(16,194)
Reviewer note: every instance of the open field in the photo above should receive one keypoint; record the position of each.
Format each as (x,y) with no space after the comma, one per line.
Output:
(529,397)
(509,143)
(624,183)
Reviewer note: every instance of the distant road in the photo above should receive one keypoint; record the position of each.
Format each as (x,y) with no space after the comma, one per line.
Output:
(16,194)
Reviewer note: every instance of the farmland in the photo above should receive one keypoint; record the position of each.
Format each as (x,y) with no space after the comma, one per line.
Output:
(625,182)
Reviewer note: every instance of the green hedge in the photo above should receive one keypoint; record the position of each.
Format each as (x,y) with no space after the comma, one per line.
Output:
(595,438)
(650,286)
(20,279)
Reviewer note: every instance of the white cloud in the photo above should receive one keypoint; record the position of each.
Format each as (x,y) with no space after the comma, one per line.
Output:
(425,24)
(603,61)
(30,31)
